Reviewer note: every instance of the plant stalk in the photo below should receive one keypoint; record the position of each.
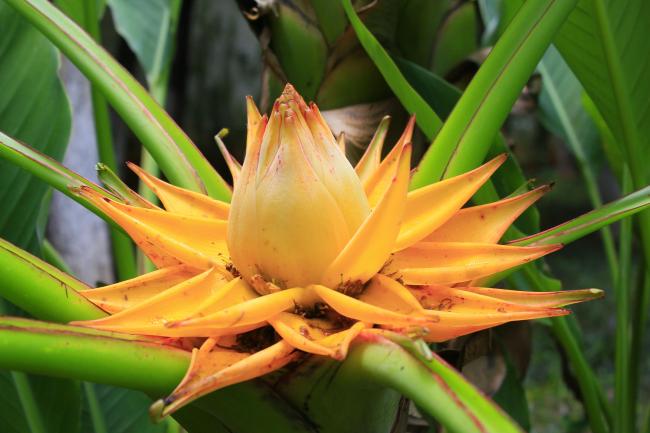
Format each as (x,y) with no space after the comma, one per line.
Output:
(121,245)
(624,415)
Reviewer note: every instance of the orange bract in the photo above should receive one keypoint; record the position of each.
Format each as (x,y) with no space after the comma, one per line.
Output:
(311,252)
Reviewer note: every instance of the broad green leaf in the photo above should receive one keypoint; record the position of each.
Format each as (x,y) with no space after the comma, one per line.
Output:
(496,14)
(563,113)
(468,133)
(610,147)
(457,38)
(300,48)
(605,44)
(331,19)
(75,9)
(417,28)
(38,404)
(177,156)
(122,411)
(426,118)
(148,27)
(511,395)
(34,109)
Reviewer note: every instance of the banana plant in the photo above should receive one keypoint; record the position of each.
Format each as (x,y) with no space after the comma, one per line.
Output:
(311,291)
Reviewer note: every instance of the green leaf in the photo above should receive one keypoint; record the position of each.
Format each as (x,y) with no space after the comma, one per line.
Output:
(177,156)
(511,395)
(33,108)
(48,170)
(38,404)
(300,48)
(418,25)
(75,9)
(592,221)
(331,19)
(496,15)
(122,410)
(468,133)
(457,38)
(148,27)
(605,45)
(426,118)
(442,97)
(563,113)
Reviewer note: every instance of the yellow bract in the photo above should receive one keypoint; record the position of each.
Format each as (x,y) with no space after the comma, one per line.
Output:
(313,252)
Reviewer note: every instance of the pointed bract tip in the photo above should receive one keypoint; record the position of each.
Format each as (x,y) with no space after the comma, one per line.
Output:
(597,293)
(289,89)
(156,411)
(501,158)
(252,110)
(544,188)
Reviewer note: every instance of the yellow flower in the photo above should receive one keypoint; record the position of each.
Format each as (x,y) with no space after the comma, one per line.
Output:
(312,253)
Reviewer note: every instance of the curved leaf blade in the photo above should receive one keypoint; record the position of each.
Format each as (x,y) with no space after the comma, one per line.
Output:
(466,136)
(592,221)
(426,118)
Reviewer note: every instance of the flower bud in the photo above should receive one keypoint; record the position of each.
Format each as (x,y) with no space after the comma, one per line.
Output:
(298,200)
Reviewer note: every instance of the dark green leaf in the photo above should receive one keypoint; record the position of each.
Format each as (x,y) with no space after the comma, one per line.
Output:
(148,27)
(34,109)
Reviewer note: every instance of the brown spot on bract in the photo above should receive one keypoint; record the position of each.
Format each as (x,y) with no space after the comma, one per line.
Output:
(445,304)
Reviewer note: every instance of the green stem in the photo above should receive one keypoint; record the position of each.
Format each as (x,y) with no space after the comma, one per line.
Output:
(37,349)
(96,415)
(122,360)
(642,307)
(469,131)
(28,402)
(52,256)
(624,413)
(41,289)
(122,247)
(429,382)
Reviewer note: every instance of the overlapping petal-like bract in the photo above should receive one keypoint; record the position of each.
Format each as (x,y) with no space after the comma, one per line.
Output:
(312,252)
